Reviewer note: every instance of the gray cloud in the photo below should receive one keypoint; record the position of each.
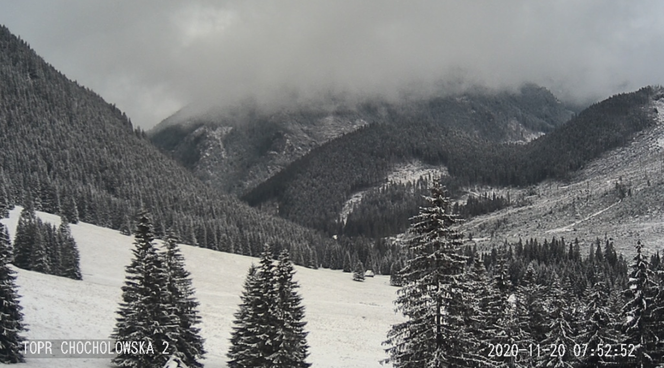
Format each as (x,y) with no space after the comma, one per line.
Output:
(153,57)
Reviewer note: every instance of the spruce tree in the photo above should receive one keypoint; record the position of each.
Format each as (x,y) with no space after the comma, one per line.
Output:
(485,308)
(188,343)
(24,239)
(4,202)
(430,335)
(70,264)
(239,354)
(144,312)
(358,271)
(395,275)
(640,322)
(70,210)
(561,331)
(291,339)
(599,325)
(346,267)
(39,258)
(255,337)
(530,298)
(11,318)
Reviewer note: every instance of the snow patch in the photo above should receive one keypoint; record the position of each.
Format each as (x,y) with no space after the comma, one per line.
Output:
(402,174)
(659,105)
(347,320)
(414,171)
(350,205)
(573,225)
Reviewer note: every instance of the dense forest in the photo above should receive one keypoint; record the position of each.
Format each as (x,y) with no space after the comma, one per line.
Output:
(241,146)
(529,304)
(313,190)
(65,151)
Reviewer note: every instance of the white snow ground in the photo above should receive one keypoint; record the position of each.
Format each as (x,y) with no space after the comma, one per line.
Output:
(347,320)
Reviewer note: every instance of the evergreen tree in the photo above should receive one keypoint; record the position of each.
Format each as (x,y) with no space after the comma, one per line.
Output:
(239,352)
(428,337)
(531,308)
(255,336)
(70,210)
(4,202)
(70,264)
(144,314)
(347,263)
(483,308)
(640,321)
(291,338)
(24,239)
(188,342)
(395,276)
(11,318)
(561,331)
(599,325)
(39,258)
(358,271)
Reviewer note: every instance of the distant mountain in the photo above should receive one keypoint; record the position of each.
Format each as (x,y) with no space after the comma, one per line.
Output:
(67,150)
(238,148)
(318,190)
(617,196)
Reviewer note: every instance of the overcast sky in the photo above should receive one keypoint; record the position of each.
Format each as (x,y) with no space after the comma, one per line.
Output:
(151,58)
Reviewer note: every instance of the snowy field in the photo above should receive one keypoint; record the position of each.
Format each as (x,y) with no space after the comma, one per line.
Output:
(347,320)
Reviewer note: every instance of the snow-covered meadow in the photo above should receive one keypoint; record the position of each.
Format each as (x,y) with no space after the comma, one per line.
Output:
(347,320)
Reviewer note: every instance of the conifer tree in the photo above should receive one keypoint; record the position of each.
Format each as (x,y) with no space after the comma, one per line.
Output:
(358,271)
(39,258)
(291,340)
(395,276)
(531,308)
(599,325)
(239,354)
(561,331)
(144,312)
(640,321)
(11,318)
(482,308)
(254,339)
(346,267)
(4,202)
(24,239)
(188,343)
(70,264)
(70,210)
(428,337)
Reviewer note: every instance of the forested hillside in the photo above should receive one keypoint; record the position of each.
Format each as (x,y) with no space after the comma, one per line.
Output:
(67,150)
(240,147)
(313,190)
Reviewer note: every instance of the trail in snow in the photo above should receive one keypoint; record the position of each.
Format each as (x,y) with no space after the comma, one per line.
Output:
(570,227)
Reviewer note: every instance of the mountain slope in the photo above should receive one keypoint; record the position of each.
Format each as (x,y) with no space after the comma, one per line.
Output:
(63,145)
(313,190)
(347,320)
(239,148)
(619,195)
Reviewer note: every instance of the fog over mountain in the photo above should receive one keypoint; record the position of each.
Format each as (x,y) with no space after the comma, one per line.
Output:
(151,58)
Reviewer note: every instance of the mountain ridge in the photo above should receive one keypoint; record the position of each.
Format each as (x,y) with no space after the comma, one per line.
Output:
(63,145)
(258,143)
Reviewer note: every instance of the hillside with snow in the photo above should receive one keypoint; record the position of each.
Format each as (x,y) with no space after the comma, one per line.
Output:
(347,320)
(619,196)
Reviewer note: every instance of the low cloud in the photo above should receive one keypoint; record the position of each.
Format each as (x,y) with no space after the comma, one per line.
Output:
(153,57)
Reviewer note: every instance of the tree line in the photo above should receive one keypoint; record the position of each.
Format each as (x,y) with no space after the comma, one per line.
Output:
(313,190)
(522,305)
(159,309)
(66,151)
